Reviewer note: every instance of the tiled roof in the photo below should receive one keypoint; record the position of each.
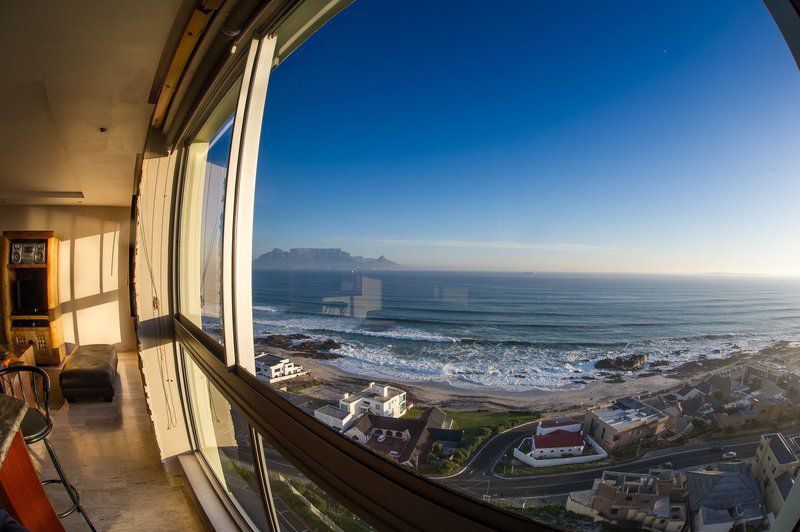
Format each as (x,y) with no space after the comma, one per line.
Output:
(784,481)
(729,487)
(332,411)
(428,428)
(448,435)
(270,359)
(557,438)
(783,448)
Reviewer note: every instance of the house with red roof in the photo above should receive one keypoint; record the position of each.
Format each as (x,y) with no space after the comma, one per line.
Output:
(556,444)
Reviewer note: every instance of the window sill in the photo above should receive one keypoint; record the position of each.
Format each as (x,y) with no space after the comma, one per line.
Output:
(207,503)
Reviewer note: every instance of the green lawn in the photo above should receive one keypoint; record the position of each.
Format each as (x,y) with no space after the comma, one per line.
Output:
(485,418)
(478,426)
(472,421)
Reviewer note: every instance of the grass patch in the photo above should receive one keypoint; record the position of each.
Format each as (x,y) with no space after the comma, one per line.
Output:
(478,426)
(304,385)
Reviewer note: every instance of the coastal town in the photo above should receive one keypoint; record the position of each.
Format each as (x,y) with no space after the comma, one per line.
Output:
(712,451)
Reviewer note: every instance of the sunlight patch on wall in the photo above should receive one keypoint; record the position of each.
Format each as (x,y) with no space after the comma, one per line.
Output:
(87,266)
(99,324)
(64,271)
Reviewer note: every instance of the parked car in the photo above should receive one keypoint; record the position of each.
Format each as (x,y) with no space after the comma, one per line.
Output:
(729,455)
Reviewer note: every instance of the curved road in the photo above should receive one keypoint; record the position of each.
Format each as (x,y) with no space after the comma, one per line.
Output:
(478,478)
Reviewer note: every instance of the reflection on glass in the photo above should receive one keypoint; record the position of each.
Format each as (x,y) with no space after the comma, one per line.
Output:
(202,216)
(223,438)
(301,504)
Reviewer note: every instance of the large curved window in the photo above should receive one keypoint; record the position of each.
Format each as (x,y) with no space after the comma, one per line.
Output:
(540,255)
(468,221)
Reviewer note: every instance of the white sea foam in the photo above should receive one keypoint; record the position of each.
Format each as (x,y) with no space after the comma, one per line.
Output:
(470,365)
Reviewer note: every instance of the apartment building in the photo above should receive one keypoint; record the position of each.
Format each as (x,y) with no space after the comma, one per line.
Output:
(272,368)
(377,399)
(775,468)
(652,500)
(624,422)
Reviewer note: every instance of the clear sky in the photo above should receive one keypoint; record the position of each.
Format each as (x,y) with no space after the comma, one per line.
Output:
(653,137)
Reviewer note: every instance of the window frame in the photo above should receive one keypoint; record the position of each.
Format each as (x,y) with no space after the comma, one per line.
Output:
(234,507)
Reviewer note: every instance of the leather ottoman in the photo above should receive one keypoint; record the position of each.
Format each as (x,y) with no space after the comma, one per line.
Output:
(91,371)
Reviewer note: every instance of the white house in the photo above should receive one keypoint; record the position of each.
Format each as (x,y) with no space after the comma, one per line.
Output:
(379,399)
(272,368)
(335,417)
(557,444)
(551,425)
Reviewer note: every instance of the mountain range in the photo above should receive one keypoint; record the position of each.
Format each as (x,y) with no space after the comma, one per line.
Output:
(319,259)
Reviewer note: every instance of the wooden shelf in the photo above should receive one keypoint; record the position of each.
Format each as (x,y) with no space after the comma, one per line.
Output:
(25,266)
(46,336)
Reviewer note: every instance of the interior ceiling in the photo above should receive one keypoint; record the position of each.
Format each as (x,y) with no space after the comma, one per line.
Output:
(69,69)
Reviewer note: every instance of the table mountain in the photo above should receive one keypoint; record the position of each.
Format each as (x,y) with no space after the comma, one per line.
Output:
(319,259)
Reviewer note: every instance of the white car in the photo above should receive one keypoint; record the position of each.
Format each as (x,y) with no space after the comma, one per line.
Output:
(729,455)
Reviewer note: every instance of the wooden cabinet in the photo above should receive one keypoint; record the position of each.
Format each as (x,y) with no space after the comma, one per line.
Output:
(31,302)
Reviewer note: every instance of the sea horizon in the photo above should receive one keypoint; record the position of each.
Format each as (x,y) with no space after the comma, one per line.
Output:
(517,331)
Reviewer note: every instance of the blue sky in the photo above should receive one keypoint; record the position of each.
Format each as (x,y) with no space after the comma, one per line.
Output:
(652,137)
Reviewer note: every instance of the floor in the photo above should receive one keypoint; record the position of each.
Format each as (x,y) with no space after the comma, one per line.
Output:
(109,453)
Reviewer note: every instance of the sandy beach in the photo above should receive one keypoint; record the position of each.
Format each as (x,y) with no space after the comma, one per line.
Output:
(445,395)
(427,393)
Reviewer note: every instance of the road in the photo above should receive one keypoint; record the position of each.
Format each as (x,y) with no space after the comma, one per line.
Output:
(479,480)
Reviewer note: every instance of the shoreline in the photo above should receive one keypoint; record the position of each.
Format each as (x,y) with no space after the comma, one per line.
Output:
(448,396)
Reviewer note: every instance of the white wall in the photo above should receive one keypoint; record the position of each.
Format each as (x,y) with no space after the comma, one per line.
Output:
(93,268)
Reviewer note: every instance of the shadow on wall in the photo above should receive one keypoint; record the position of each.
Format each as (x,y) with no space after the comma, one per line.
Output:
(93,268)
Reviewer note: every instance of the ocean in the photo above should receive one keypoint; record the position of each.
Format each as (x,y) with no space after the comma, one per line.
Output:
(521,331)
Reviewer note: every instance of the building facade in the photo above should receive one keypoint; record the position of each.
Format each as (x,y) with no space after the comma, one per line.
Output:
(377,399)
(557,444)
(652,500)
(623,423)
(272,368)
(775,467)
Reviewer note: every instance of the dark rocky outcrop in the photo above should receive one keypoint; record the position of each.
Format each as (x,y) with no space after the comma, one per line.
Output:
(284,341)
(301,345)
(623,363)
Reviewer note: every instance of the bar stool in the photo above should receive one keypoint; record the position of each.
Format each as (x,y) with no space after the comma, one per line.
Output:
(37,424)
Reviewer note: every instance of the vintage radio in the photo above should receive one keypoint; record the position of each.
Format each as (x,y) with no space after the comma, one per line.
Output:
(28,252)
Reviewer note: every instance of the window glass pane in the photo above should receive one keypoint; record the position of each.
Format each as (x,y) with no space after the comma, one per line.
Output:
(461,233)
(223,438)
(202,215)
(301,504)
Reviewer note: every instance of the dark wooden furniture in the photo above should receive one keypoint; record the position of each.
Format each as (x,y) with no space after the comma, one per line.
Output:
(21,492)
(91,371)
(17,355)
(42,327)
